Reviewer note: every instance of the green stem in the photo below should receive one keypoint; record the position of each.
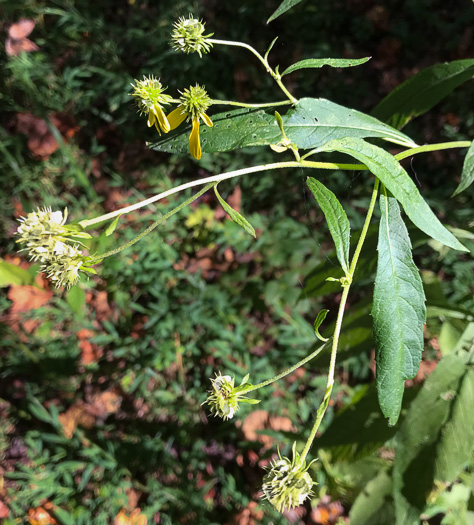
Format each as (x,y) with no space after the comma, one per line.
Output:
(263,60)
(337,330)
(255,169)
(433,147)
(289,370)
(244,105)
(150,228)
(207,180)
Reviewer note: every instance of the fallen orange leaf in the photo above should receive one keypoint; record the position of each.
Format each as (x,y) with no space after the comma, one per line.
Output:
(40,516)
(77,414)
(135,518)
(27,297)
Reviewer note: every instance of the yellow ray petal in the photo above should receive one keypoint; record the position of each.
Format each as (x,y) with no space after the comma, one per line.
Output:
(194,142)
(151,119)
(176,117)
(161,118)
(207,120)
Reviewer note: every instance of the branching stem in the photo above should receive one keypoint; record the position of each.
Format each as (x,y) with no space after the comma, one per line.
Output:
(98,258)
(289,370)
(337,330)
(87,223)
(263,60)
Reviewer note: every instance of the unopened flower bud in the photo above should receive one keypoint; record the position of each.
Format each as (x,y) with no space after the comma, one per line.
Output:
(288,483)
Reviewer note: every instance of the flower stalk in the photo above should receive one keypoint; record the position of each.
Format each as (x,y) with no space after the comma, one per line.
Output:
(340,315)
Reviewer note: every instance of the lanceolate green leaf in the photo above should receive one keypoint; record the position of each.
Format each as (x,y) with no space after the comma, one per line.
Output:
(313,122)
(386,168)
(374,504)
(282,8)
(320,62)
(235,215)
(436,436)
(421,92)
(232,129)
(310,124)
(398,310)
(318,322)
(467,176)
(336,218)
(112,227)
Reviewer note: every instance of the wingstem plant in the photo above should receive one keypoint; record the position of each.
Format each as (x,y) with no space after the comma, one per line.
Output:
(315,126)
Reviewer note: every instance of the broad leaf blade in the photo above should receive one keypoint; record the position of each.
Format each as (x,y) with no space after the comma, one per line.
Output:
(285,6)
(310,124)
(13,275)
(374,504)
(420,93)
(313,122)
(232,129)
(235,215)
(336,218)
(443,404)
(386,168)
(320,62)
(398,311)
(467,176)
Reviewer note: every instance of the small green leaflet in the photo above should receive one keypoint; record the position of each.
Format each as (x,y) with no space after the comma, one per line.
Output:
(398,311)
(283,8)
(13,275)
(421,92)
(76,299)
(467,176)
(336,218)
(386,168)
(318,322)
(320,62)
(309,124)
(111,228)
(234,215)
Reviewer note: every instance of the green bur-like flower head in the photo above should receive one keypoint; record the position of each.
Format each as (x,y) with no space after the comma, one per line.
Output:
(45,237)
(64,266)
(288,483)
(40,231)
(150,98)
(224,398)
(194,103)
(188,36)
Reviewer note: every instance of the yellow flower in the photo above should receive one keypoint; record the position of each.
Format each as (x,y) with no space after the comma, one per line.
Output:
(194,104)
(150,98)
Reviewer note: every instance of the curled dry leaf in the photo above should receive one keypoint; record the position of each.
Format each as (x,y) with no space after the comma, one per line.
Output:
(4,512)
(17,42)
(40,516)
(86,414)
(40,141)
(21,29)
(77,414)
(134,518)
